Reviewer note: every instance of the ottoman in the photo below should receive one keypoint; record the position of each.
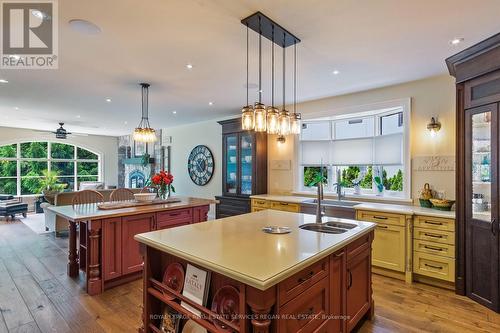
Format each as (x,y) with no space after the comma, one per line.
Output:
(11,208)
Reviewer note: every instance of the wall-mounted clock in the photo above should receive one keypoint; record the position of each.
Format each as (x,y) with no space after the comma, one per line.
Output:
(201,165)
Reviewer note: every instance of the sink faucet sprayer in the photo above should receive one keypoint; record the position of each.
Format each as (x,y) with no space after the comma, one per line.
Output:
(338,185)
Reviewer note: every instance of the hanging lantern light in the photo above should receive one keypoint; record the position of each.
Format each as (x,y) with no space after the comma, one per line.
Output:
(260,117)
(144,132)
(272,111)
(247,112)
(295,117)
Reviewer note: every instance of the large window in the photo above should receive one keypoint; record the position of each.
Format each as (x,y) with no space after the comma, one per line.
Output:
(22,164)
(354,149)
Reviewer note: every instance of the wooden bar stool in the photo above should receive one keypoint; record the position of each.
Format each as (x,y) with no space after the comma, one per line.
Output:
(122,194)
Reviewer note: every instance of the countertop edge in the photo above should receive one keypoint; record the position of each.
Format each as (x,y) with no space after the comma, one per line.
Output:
(258,284)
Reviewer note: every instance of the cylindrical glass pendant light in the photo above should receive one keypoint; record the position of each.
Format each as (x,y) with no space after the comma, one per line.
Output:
(272,111)
(284,115)
(260,108)
(296,117)
(247,112)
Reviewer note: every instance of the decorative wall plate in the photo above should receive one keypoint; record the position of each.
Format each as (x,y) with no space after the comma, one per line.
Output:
(201,165)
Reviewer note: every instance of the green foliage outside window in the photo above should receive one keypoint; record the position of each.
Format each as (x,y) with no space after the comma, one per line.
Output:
(34,149)
(352,173)
(9,151)
(312,174)
(394,183)
(62,151)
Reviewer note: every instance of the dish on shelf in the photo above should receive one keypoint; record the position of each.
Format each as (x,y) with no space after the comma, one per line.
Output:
(193,327)
(174,278)
(226,303)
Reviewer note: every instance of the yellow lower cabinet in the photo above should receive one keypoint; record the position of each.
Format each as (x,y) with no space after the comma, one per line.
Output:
(388,248)
(439,249)
(257,209)
(434,266)
(285,206)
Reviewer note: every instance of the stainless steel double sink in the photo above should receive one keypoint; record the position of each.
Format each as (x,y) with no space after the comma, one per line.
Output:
(329,227)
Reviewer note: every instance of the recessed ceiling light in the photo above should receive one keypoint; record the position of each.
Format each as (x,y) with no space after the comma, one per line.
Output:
(16,108)
(125,122)
(189,66)
(78,116)
(4,81)
(456,41)
(335,72)
(210,103)
(109,100)
(84,27)
(174,112)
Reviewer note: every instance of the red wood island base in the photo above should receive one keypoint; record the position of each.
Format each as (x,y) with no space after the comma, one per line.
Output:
(107,252)
(331,294)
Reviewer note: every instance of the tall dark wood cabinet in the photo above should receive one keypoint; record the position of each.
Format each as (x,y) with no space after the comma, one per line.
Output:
(477,73)
(244,168)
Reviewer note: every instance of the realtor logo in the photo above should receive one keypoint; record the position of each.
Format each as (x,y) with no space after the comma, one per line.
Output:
(29,34)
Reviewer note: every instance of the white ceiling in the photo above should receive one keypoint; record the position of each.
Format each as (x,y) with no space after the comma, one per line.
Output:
(371,43)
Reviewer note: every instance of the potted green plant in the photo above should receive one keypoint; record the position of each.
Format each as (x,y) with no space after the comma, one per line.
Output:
(50,186)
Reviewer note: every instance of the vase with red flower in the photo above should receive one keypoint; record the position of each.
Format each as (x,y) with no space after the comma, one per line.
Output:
(163,183)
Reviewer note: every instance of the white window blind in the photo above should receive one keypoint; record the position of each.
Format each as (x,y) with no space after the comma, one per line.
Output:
(352,152)
(315,152)
(389,149)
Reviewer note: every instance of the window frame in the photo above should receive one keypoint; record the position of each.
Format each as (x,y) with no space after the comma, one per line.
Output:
(377,110)
(49,159)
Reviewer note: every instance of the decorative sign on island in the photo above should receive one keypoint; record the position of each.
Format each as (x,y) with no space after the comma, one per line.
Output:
(434,163)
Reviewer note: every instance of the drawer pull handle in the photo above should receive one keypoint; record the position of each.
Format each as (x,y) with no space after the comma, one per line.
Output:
(306,314)
(305,278)
(283,203)
(382,227)
(261,202)
(431,235)
(432,266)
(433,223)
(379,217)
(433,248)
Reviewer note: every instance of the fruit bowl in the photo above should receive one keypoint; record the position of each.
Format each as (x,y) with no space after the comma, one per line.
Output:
(442,204)
(144,197)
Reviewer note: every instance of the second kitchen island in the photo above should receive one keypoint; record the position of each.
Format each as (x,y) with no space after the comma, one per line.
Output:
(303,281)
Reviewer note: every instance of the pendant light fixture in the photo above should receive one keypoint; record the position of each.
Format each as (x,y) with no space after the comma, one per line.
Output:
(272,111)
(284,117)
(296,117)
(270,119)
(144,132)
(247,113)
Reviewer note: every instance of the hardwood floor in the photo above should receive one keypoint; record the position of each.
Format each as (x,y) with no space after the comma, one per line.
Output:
(36,295)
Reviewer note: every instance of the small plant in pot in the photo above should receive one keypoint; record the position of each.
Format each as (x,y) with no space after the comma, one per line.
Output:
(50,186)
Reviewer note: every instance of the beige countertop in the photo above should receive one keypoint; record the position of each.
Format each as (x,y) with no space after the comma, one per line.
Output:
(238,248)
(91,212)
(381,207)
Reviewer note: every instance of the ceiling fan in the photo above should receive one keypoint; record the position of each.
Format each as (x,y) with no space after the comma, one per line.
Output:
(62,133)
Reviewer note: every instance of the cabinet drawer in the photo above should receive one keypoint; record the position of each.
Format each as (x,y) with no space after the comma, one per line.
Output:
(380,217)
(388,248)
(434,266)
(173,218)
(298,283)
(306,313)
(437,223)
(257,209)
(285,206)
(439,249)
(260,203)
(433,235)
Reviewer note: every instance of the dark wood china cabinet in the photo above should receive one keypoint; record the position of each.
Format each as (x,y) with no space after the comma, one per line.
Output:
(477,73)
(244,168)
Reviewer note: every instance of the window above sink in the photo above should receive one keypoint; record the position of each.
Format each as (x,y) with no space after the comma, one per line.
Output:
(361,145)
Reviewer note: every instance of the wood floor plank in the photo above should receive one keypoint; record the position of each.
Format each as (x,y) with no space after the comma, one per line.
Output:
(43,311)
(26,328)
(14,311)
(16,267)
(3,327)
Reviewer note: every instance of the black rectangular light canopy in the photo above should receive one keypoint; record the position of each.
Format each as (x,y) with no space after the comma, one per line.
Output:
(262,24)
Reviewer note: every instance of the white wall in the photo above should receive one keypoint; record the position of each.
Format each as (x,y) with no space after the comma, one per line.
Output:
(184,139)
(107,146)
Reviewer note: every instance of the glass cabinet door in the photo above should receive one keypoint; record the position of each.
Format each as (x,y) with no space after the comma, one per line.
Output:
(246,144)
(231,176)
(481,166)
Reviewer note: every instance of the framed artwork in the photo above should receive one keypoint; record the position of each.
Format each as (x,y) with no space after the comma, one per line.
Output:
(140,148)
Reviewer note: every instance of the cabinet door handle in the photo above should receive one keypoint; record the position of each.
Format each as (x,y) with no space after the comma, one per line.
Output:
(305,278)
(382,226)
(380,217)
(349,282)
(433,223)
(493,225)
(432,235)
(433,248)
(432,266)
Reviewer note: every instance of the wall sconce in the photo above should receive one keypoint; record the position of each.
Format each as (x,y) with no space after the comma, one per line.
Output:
(434,126)
(281,139)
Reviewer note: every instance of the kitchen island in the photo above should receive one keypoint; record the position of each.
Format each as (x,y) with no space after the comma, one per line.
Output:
(106,251)
(303,281)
